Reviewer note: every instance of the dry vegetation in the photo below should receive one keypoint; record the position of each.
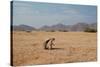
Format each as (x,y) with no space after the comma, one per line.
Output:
(69,47)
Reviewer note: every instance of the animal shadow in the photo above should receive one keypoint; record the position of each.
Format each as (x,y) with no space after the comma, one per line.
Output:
(57,49)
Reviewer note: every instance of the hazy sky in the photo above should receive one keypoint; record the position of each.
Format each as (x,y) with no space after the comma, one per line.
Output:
(39,14)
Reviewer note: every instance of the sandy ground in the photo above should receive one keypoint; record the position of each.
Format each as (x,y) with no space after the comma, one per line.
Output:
(69,47)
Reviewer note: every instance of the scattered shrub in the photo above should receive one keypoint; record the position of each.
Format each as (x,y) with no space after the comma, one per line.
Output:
(52,31)
(28,31)
(63,30)
(90,30)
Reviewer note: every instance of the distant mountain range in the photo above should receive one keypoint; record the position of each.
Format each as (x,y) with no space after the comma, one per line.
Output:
(57,27)
(23,28)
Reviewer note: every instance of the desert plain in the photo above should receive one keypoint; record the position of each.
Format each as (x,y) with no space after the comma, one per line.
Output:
(28,48)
